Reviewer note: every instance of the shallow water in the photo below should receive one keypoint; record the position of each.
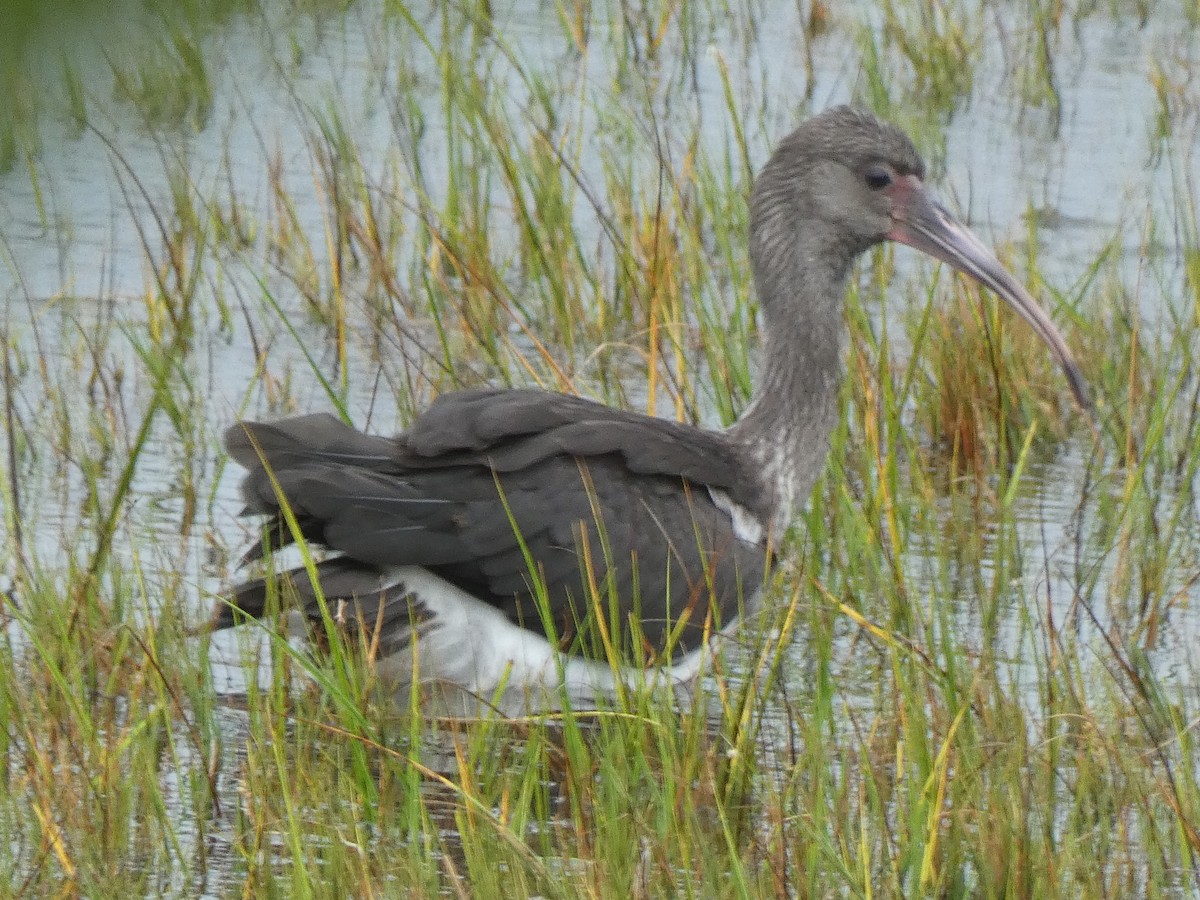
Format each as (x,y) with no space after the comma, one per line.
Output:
(75,223)
(76,219)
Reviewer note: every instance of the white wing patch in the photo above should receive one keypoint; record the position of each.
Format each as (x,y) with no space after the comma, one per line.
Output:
(746,525)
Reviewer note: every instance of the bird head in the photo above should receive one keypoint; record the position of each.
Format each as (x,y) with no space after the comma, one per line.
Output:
(845,181)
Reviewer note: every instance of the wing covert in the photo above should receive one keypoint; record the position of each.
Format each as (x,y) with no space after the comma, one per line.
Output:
(612,508)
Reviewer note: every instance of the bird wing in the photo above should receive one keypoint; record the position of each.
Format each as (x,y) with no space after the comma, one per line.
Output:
(591,525)
(518,428)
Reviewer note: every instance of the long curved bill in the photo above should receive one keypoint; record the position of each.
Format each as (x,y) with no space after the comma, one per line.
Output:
(924,224)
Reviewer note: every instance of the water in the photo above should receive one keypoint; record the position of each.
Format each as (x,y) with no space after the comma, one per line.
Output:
(79,227)
(77,222)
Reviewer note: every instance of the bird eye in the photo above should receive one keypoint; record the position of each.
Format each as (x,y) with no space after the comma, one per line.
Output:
(878,177)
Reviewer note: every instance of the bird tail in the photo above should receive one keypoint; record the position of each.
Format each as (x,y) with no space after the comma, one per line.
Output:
(353,592)
(271,452)
(303,440)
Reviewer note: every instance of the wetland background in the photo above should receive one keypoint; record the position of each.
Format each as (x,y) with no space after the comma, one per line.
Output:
(979,677)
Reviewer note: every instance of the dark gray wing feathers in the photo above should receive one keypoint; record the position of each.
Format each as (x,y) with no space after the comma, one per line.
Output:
(518,428)
(316,437)
(577,479)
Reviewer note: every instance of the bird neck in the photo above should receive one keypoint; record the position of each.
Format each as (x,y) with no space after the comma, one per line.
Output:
(787,426)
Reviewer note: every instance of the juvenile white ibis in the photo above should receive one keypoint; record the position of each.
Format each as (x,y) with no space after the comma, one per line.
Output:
(510,542)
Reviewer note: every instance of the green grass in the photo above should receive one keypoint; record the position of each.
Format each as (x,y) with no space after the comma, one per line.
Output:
(976,678)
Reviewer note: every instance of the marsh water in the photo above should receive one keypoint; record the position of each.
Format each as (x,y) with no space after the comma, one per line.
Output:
(86,207)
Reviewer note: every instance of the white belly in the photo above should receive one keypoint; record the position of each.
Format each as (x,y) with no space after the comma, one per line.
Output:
(469,654)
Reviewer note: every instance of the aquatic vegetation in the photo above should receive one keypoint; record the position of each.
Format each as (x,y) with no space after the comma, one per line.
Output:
(978,677)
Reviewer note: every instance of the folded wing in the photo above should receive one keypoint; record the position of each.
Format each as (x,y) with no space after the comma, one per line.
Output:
(514,496)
